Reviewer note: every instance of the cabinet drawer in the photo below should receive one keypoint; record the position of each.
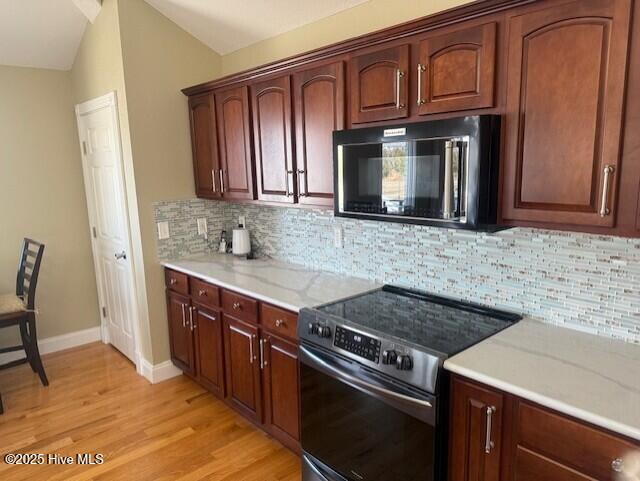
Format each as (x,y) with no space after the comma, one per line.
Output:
(583,448)
(177,281)
(205,293)
(279,321)
(239,306)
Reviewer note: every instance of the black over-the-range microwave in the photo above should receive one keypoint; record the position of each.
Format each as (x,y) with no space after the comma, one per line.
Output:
(441,172)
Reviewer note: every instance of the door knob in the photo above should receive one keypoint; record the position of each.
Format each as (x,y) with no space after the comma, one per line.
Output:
(121,255)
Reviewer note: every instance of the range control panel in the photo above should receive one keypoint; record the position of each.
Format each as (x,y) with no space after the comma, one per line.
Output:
(357,343)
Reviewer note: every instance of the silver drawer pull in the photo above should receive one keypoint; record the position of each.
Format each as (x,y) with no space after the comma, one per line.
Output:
(173,282)
(279,322)
(604,209)
(202,292)
(617,465)
(488,443)
(236,306)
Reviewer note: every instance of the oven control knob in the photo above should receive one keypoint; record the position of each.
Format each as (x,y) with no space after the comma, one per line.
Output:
(314,327)
(324,331)
(404,363)
(389,357)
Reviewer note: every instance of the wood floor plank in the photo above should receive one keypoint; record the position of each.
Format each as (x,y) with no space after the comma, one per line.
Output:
(97,403)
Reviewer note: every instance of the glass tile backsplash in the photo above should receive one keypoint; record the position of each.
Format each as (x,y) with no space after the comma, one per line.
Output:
(582,281)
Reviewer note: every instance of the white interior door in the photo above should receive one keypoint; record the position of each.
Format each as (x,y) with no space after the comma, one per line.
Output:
(105,189)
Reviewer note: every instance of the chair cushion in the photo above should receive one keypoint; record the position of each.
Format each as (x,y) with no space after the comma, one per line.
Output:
(10,303)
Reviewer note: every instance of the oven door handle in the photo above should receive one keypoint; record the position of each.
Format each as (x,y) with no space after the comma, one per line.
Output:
(414,404)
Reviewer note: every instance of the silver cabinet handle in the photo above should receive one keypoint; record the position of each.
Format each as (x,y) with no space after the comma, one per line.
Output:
(617,465)
(213,180)
(604,210)
(421,68)
(121,255)
(184,317)
(399,75)
(301,192)
(253,357)
(221,174)
(191,323)
(263,360)
(289,174)
(488,443)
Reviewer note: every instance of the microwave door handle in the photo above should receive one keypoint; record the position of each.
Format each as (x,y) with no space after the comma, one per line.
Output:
(315,361)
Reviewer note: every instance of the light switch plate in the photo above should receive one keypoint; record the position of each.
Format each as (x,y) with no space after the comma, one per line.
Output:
(163,230)
(202,226)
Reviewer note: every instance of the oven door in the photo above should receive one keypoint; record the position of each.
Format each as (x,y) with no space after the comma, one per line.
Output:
(363,427)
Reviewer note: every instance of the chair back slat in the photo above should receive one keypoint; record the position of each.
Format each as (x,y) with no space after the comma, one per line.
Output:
(28,270)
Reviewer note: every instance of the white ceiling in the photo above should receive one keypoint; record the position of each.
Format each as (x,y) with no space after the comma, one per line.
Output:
(228,25)
(40,33)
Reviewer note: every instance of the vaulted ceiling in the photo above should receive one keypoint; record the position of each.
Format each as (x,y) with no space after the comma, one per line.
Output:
(228,25)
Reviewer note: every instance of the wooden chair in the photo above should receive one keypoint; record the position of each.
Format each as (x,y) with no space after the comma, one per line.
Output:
(19,310)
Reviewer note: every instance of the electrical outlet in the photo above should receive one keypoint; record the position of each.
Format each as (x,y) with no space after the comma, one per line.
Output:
(242,221)
(337,237)
(163,230)
(202,227)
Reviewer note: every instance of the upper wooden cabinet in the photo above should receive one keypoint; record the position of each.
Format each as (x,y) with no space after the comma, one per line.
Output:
(234,133)
(456,71)
(379,85)
(204,145)
(272,132)
(475,433)
(565,92)
(319,106)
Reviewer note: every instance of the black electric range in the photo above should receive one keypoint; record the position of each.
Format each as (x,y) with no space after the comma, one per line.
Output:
(373,391)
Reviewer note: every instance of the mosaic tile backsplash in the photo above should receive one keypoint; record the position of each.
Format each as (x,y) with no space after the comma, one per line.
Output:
(586,282)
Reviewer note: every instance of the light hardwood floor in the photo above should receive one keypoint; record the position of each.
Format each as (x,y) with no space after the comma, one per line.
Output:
(96,403)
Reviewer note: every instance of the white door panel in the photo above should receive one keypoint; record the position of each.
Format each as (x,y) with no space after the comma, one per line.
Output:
(104,185)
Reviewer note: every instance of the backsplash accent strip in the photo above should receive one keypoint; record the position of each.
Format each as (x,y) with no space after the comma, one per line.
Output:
(582,281)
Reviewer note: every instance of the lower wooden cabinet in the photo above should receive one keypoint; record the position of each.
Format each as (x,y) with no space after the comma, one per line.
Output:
(209,348)
(281,389)
(243,368)
(242,350)
(475,433)
(180,333)
(521,441)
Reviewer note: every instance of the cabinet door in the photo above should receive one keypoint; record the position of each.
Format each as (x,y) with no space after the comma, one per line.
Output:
(281,389)
(180,333)
(475,433)
(271,102)
(236,167)
(319,109)
(210,354)
(565,90)
(204,145)
(379,85)
(243,368)
(457,70)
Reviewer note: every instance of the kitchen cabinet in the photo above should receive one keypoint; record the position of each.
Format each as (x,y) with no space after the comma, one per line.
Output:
(379,84)
(456,71)
(180,332)
(319,105)
(281,389)
(565,91)
(475,433)
(243,367)
(272,131)
(530,442)
(236,174)
(204,145)
(207,324)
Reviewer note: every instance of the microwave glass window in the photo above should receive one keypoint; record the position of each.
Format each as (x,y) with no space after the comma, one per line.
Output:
(414,178)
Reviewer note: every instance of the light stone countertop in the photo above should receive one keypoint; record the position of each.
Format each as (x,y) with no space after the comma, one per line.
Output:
(290,286)
(592,378)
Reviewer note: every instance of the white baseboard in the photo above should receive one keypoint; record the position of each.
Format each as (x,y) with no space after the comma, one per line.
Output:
(158,372)
(58,343)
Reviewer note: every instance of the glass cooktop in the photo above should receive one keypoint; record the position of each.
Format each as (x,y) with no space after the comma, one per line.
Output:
(436,323)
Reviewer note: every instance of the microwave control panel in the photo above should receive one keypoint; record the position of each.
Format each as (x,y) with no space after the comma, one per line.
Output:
(357,343)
